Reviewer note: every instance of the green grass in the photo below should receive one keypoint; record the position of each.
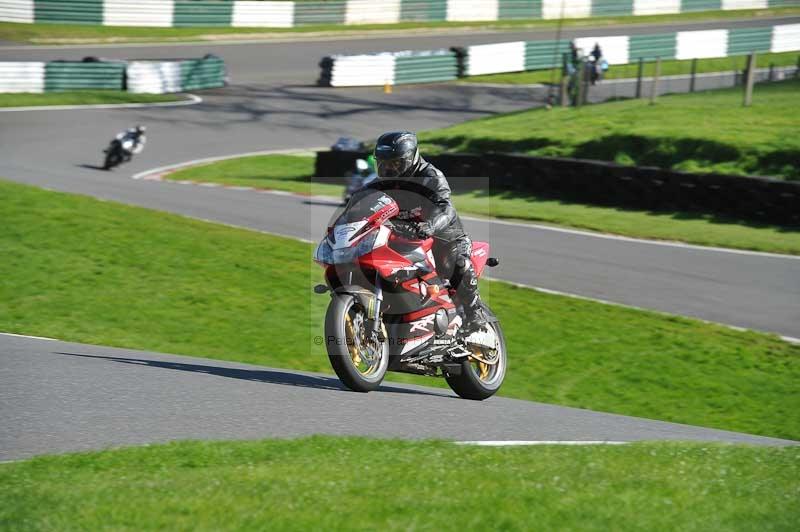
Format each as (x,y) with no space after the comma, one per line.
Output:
(325,483)
(291,173)
(82,97)
(700,132)
(102,273)
(76,33)
(668,68)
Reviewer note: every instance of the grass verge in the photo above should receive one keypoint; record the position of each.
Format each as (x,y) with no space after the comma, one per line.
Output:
(83,97)
(668,68)
(290,173)
(321,483)
(77,33)
(700,132)
(97,272)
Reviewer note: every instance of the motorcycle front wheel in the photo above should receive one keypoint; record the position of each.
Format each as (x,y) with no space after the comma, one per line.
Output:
(483,372)
(359,362)
(112,160)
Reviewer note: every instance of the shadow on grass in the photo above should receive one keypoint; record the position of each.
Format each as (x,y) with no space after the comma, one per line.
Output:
(286,378)
(500,195)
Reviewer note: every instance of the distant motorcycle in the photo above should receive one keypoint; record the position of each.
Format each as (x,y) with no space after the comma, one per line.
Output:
(362,175)
(123,147)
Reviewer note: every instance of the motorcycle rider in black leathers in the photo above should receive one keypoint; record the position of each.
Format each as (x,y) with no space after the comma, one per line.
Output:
(423,195)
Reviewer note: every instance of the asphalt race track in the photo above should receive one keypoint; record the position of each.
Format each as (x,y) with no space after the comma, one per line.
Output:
(92,397)
(60,150)
(62,397)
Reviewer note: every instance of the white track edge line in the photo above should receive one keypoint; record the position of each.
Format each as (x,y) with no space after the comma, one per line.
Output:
(193,100)
(607,236)
(788,339)
(206,160)
(668,243)
(517,443)
(32,337)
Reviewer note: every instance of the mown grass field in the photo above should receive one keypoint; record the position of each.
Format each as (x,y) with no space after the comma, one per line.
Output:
(699,132)
(82,97)
(103,273)
(355,483)
(668,68)
(292,173)
(78,33)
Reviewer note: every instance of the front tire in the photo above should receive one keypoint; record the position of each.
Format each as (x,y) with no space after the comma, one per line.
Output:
(360,365)
(480,381)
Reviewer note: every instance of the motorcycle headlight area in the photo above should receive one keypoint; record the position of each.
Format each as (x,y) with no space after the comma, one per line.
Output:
(327,255)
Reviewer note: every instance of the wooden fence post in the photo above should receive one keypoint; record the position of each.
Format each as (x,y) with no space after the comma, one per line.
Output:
(748,85)
(654,88)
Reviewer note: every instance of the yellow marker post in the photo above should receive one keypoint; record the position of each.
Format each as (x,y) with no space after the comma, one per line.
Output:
(387,87)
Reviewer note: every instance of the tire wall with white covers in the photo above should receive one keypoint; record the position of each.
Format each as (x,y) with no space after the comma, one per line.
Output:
(287,14)
(618,50)
(154,77)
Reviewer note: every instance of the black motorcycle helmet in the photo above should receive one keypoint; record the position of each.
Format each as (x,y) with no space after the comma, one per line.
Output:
(397,154)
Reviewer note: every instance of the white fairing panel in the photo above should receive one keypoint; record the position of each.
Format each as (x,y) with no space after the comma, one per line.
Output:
(344,233)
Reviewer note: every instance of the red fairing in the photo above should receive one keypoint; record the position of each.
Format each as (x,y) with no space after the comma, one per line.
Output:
(480,254)
(388,211)
(384,260)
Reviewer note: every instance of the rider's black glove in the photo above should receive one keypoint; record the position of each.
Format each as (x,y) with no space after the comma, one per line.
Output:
(424,229)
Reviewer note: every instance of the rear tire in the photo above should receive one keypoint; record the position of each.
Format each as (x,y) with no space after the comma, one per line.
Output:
(339,347)
(469,384)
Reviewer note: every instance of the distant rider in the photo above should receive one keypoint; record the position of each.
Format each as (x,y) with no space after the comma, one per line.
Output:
(423,195)
(136,136)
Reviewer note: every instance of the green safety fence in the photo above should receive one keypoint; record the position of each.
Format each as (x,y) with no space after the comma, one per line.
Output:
(74,75)
(541,55)
(202,13)
(68,11)
(332,12)
(663,45)
(205,73)
(425,67)
(612,8)
(700,5)
(519,9)
(747,40)
(423,10)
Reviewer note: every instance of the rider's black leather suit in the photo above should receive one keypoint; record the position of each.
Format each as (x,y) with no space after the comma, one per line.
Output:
(425,196)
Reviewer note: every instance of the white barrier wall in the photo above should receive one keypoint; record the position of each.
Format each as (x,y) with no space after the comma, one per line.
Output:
(255,14)
(571,8)
(468,10)
(137,13)
(701,44)
(615,49)
(19,76)
(360,70)
(154,76)
(785,38)
(495,58)
(16,10)
(371,12)
(656,7)
(744,4)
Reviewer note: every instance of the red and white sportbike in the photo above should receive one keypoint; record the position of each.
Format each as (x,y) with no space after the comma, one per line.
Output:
(390,311)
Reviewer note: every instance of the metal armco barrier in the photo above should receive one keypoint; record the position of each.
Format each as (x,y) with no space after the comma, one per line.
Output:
(134,76)
(283,14)
(601,183)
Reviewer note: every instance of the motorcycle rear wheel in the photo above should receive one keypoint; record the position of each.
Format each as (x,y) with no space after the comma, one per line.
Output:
(479,381)
(360,366)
